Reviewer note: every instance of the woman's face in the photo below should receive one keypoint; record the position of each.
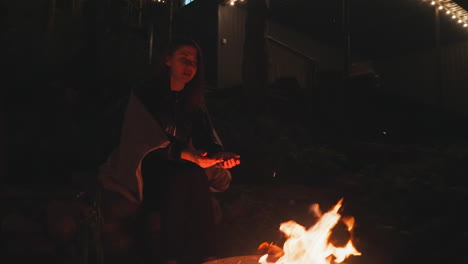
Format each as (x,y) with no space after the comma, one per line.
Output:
(183,64)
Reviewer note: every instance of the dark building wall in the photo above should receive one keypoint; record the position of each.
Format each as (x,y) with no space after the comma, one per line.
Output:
(295,54)
(2,142)
(286,63)
(410,75)
(231,35)
(415,75)
(454,71)
(327,56)
(298,57)
(198,20)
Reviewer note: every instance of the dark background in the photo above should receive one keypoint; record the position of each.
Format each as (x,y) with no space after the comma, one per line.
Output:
(400,163)
(64,88)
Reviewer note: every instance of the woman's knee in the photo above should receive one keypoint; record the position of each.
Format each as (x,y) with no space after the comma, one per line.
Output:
(193,175)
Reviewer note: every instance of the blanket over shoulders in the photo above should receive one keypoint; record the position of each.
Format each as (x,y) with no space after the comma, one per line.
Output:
(140,135)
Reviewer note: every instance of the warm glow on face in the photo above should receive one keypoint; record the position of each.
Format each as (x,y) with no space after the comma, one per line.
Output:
(312,246)
(183,64)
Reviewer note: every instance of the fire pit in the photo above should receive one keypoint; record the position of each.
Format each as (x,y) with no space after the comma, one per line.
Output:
(304,245)
(250,259)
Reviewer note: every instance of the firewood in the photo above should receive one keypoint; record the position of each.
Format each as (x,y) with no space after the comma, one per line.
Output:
(274,252)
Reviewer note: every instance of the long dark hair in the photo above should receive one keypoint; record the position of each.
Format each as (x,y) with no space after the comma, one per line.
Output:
(194,89)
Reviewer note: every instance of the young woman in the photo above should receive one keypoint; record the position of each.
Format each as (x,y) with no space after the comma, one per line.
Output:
(169,159)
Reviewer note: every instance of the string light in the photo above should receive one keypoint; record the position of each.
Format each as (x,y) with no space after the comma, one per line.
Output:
(457,12)
(233,2)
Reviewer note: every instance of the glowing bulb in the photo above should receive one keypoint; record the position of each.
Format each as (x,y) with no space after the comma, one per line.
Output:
(459,21)
(232,3)
(448,12)
(440,7)
(465,25)
(454,17)
(432,3)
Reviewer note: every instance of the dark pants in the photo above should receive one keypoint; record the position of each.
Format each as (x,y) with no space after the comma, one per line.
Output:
(179,192)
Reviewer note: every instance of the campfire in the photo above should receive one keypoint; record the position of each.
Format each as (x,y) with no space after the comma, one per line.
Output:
(313,245)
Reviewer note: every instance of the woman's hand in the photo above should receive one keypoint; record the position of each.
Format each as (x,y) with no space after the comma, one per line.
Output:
(200,158)
(228,159)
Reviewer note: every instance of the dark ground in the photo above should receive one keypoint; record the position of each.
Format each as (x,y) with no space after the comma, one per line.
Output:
(407,189)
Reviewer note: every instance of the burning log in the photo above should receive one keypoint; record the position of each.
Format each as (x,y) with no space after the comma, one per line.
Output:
(315,244)
(274,252)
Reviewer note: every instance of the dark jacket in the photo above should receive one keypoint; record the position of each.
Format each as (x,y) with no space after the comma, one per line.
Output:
(180,125)
(141,134)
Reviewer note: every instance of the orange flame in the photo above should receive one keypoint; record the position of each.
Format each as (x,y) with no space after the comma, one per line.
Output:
(312,246)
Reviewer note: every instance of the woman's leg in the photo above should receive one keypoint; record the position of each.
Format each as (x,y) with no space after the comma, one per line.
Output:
(119,228)
(180,192)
